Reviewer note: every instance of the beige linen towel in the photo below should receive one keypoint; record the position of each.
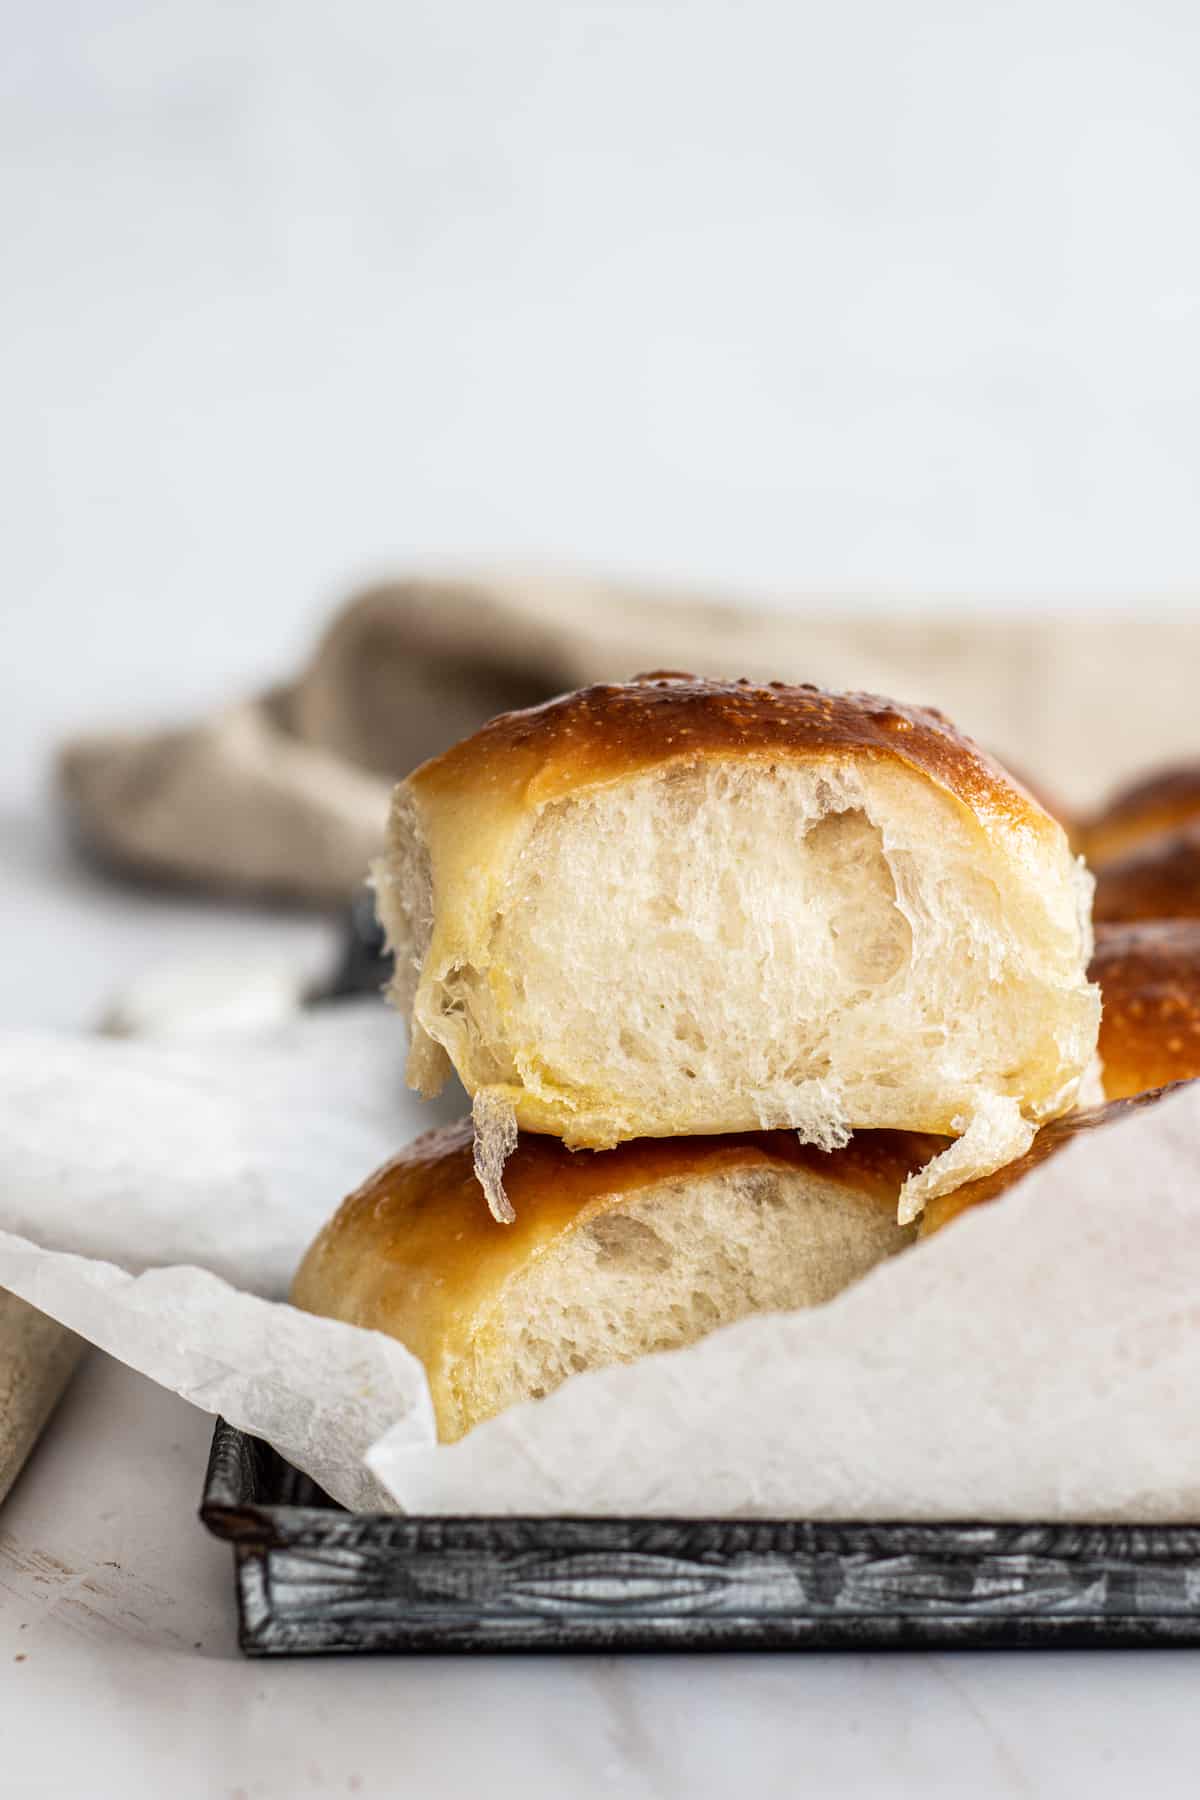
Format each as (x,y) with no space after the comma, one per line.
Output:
(286,794)
(36,1360)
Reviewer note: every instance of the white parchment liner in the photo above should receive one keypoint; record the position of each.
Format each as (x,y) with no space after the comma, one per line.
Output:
(1040,1359)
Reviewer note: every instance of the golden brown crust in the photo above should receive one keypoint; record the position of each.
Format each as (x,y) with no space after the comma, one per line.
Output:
(1156,803)
(1049,801)
(1149,976)
(415,1252)
(598,733)
(1157,879)
(1049,1141)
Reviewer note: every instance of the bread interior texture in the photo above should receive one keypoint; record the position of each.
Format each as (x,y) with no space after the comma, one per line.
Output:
(658,1269)
(729,945)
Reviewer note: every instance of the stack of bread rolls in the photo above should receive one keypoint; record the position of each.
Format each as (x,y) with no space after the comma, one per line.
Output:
(739,980)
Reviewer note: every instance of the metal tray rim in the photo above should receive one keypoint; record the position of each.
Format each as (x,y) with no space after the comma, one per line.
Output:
(314,1579)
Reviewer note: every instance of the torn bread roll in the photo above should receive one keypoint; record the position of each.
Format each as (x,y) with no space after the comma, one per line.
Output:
(614,1254)
(681,906)
(1149,979)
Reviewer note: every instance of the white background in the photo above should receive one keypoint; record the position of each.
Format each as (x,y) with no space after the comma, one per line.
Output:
(776,297)
(772,296)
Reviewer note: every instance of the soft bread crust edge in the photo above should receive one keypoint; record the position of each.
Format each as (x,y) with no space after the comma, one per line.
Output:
(598,734)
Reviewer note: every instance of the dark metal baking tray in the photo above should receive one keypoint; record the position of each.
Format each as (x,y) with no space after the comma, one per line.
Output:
(312,1578)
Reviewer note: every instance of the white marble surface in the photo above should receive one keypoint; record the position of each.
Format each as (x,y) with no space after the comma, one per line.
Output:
(783,297)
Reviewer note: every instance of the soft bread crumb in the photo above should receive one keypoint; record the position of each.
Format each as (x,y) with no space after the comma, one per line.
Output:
(495,1125)
(721,945)
(995,1134)
(822,1104)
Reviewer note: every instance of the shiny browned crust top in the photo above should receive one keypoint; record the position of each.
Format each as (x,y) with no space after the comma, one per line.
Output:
(1149,976)
(1049,1141)
(1155,803)
(1156,879)
(597,733)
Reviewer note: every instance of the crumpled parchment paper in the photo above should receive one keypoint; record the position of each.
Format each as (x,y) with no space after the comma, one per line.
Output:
(143,1178)
(1039,1359)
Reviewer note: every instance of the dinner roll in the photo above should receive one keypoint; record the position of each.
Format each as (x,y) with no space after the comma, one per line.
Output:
(1149,978)
(682,906)
(612,1255)
(1158,878)
(1048,1142)
(1154,804)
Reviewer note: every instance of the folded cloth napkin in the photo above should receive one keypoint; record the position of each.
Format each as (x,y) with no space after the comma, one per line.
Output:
(286,794)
